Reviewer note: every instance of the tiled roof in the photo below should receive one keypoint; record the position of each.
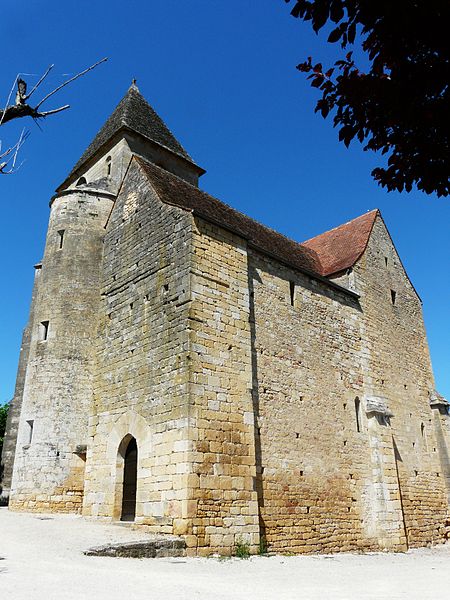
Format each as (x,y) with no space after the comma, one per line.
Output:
(324,255)
(134,113)
(340,248)
(173,190)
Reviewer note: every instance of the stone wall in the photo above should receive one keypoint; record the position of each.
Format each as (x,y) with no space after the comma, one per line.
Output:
(441,422)
(398,368)
(333,475)
(113,161)
(112,164)
(313,455)
(174,372)
(222,493)
(141,384)
(57,394)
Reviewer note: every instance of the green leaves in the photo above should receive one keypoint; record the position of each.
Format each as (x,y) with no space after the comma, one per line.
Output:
(336,34)
(399,105)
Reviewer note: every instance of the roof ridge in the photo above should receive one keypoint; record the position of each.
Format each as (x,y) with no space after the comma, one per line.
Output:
(312,254)
(135,90)
(126,106)
(258,223)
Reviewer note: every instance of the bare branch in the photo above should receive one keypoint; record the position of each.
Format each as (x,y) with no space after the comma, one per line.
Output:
(23,136)
(11,155)
(52,112)
(39,82)
(22,109)
(70,81)
(3,112)
(17,111)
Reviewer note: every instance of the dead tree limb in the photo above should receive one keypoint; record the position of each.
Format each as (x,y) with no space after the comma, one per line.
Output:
(39,82)
(8,158)
(17,111)
(21,108)
(70,81)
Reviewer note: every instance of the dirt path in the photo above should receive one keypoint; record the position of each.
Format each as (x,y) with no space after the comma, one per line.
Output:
(42,559)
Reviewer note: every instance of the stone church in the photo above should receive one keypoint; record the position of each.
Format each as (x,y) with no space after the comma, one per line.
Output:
(191,370)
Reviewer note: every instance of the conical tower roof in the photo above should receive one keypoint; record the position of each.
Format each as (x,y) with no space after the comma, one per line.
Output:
(135,114)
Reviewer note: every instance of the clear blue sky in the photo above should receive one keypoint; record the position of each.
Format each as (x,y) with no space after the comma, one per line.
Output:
(222,75)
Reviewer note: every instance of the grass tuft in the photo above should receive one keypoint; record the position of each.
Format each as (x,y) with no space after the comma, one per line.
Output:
(241,550)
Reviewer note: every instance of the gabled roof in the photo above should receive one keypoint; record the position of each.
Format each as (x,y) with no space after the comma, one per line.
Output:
(173,190)
(133,113)
(340,248)
(322,256)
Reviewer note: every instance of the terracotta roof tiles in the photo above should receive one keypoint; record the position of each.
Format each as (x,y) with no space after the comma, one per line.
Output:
(340,248)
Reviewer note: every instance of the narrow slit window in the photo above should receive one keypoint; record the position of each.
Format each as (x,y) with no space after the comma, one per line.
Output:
(424,436)
(386,261)
(108,166)
(30,431)
(292,292)
(358,414)
(43,330)
(61,238)
(393,296)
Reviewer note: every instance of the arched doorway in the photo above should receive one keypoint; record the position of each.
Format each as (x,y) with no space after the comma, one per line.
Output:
(129,481)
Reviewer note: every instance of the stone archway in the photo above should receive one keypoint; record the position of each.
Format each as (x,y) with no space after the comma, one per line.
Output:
(128,451)
(129,425)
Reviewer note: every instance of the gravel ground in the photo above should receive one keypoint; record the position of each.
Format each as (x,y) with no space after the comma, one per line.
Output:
(41,558)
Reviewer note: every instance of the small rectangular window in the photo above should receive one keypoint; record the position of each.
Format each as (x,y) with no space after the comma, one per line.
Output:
(43,330)
(358,414)
(30,431)
(61,238)
(292,292)
(393,296)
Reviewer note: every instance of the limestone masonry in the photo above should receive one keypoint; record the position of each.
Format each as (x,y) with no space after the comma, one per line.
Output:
(188,369)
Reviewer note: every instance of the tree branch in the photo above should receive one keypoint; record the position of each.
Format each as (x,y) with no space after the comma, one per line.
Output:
(39,82)
(22,109)
(54,111)
(11,155)
(2,112)
(70,81)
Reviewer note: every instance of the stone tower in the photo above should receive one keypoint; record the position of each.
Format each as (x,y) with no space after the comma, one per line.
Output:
(54,388)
